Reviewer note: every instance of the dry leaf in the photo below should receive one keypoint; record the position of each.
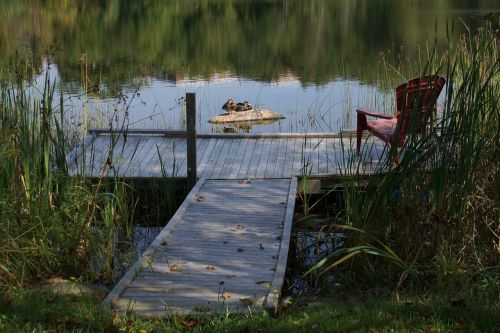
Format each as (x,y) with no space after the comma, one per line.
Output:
(240,227)
(210,267)
(200,199)
(189,324)
(246,301)
(173,267)
(117,319)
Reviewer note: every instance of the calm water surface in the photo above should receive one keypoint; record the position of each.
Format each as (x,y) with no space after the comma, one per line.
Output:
(132,62)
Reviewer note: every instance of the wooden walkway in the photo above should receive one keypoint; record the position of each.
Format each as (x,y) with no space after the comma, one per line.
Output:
(223,156)
(224,250)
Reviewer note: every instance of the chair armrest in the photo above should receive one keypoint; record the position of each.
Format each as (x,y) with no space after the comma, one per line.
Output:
(373,113)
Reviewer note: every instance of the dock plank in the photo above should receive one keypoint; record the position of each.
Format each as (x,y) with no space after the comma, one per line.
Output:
(159,150)
(229,161)
(190,261)
(243,170)
(223,156)
(264,157)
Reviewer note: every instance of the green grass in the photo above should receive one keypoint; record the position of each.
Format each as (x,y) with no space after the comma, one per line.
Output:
(38,310)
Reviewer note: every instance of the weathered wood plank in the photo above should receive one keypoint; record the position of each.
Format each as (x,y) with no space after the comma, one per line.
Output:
(180,280)
(281,158)
(149,252)
(279,275)
(239,159)
(228,156)
(205,159)
(213,158)
(261,167)
(243,171)
(226,145)
(272,159)
(128,156)
(254,161)
(97,156)
(228,166)
(74,157)
(195,254)
(161,150)
(137,157)
(176,133)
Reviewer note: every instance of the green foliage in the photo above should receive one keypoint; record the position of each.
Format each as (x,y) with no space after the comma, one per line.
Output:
(51,224)
(39,310)
(264,40)
(438,208)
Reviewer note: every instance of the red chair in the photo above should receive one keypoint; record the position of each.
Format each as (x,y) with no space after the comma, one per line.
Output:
(415,101)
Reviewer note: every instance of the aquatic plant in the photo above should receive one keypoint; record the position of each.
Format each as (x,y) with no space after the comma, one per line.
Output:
(51,224)
(437,211)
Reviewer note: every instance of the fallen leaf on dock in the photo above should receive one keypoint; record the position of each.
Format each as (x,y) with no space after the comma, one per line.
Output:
(262,282)
(173,267)
(240,227)
(246,301)
(210,267)
(200,199)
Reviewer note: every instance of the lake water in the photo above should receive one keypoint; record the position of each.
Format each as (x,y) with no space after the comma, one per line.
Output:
(312,61)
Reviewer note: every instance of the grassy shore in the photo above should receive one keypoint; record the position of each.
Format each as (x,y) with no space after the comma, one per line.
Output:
(39,310)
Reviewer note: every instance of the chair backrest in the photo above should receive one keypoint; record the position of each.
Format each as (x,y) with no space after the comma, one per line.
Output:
(415,101)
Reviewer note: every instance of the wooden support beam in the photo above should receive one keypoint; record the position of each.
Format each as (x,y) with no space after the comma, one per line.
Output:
(183,134)
(191,139)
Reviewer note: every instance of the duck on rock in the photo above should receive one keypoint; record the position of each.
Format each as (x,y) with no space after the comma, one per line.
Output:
(231,106)
(245,106)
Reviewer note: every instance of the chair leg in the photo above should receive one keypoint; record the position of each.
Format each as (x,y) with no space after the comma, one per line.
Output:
(361,125)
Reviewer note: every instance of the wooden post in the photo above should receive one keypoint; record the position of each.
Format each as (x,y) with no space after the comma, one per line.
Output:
(191,139)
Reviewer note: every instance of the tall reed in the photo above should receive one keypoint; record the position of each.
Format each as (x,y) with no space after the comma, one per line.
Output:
(438,210)
(50,224)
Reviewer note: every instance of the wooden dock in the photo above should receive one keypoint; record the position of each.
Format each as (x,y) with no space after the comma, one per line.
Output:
(225,250)
(222,156)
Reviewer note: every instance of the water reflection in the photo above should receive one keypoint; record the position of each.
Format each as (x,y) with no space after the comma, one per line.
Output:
(240,127)
(311,61)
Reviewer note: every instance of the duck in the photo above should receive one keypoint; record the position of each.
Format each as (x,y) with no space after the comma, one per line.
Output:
(245,106)
(230,106)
